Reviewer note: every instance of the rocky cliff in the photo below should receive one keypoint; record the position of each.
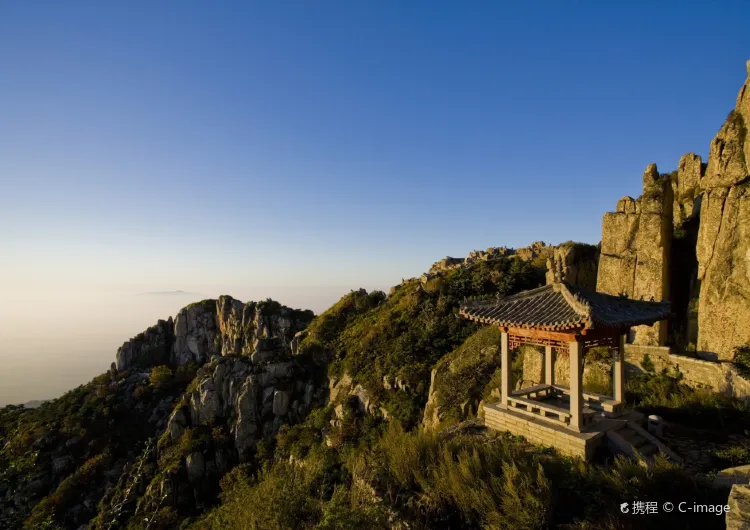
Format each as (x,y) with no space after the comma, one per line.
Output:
(150,348)
(724,236)
(686,188)
(251,381)
(253,400)
(576,263)
(689,228)
(222,327)
(636,244)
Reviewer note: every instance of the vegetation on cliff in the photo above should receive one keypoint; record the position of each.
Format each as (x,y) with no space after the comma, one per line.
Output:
(463,377)
(60,457)
(373,338)
(463,477)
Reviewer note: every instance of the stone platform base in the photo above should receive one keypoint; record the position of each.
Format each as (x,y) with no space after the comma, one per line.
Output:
(538,431)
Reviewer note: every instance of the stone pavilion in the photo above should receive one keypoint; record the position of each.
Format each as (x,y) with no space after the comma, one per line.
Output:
(565,320)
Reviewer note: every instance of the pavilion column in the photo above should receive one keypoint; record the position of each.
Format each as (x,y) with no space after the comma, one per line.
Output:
(549,365)
(618,371)
(505,369)
(576,384)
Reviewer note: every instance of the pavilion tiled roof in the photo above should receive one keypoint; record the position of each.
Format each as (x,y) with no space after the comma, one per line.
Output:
(561,306)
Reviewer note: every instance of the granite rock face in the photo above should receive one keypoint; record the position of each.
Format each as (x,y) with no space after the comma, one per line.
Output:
(686,184)
(577,264)
(195,332)
(738,515)
(635,251)
(150,348)
(723,247)
(253,401)
(259,330)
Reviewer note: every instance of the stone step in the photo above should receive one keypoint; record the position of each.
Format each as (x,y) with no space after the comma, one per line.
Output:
(635,439)
(648,449)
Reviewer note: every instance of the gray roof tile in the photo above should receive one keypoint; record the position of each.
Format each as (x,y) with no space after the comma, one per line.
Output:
(561,306)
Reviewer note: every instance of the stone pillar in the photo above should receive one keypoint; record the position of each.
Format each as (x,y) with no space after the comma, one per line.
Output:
(549,365)
(618,370)
(576,384)
(506,369)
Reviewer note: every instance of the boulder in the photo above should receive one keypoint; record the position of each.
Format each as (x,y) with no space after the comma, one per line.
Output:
(280,402)
(62,465)
(738,514)
(176,424)
(732,475)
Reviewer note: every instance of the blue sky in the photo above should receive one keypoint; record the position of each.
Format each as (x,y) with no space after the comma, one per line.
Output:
(212,146)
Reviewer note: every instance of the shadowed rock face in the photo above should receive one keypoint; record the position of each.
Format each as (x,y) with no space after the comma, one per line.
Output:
(195,334)
(150,348)
(636,241)
(252,400)
(724,236)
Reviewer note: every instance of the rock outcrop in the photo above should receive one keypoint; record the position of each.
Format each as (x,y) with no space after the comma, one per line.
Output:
(738,515)
(252,400)
(258,330)
(576,263)
(686,182)
(635,252)
(150,348)
(223,327)
(723,247)
(195,330)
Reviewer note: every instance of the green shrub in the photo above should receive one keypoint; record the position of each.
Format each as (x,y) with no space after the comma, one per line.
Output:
(665,394)
(161,377)
(647,364)
(735,455)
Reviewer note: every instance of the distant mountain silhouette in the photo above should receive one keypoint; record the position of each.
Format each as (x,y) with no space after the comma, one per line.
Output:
(168,293)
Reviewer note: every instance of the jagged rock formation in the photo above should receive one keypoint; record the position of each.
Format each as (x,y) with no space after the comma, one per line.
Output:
(690,229)
(253,400)
(636,244)
(150,348)
(575,263)
(724,236)
(195,330)
(686,182)
(259,330)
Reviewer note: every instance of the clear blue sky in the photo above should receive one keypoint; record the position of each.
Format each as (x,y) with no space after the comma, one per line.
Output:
(202,145)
